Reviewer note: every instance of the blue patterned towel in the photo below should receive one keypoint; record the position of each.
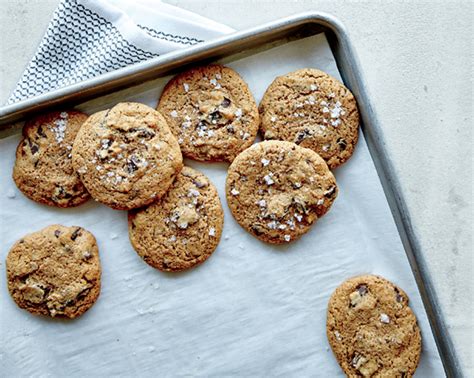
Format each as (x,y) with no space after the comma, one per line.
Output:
(87,38)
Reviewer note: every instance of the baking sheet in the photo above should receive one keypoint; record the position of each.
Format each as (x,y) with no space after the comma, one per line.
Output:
(251,310)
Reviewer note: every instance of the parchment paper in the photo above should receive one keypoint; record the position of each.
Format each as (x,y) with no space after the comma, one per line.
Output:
(251,310)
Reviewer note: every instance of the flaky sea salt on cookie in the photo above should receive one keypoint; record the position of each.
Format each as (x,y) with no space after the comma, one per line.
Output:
(183,228)
(276,190)
(212,113)
(126,156)
(314,110)
(43,168)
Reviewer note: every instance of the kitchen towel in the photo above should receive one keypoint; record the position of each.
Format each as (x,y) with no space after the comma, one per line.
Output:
(87,38)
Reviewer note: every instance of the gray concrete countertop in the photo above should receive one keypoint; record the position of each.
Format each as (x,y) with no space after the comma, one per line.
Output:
(417,61)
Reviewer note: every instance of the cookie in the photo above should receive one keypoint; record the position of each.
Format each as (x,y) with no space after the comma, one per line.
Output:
(212,113)
(183,228)
(55,271)
(126,156)
(276,190)
(371,329)
(314,110)
(43,168)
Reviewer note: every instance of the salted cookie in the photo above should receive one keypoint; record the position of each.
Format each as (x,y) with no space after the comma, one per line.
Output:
(212,113)
(183,228)
(312,109)
(276,190)
(126,156)
(371,329)
(43,168)
(55,271)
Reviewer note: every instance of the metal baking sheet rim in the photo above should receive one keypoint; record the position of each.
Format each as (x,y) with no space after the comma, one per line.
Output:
(349,68)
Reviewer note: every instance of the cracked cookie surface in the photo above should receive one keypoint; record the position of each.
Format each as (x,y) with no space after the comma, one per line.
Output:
(55,271)
(212,113)
(371,329)
(314,110)
(43,168)
(276,190)
(126,156)
(183,228)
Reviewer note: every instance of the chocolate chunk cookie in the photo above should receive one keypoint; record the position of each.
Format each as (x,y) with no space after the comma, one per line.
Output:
(55,271)
(371,329)
(276,190)
(183,228)
(312,109)
(126,156)
(43,168)
(212,113)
